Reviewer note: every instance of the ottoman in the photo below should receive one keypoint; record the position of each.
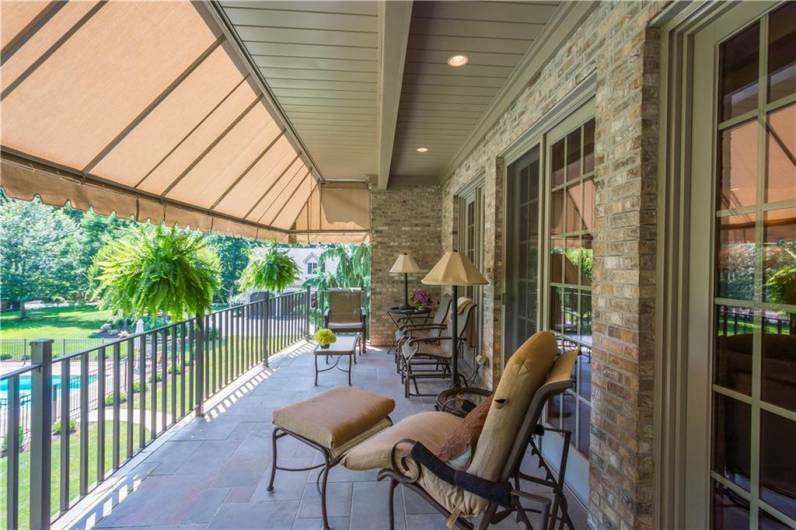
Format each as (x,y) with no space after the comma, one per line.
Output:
(332,423)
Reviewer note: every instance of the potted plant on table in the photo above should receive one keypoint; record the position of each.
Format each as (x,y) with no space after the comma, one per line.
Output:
(324,337)
(421,299)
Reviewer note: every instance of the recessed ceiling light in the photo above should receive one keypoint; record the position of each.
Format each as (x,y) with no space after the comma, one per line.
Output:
(422,149)
(458,60)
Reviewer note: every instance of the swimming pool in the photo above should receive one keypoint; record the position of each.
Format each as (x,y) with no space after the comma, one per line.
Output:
(25,384)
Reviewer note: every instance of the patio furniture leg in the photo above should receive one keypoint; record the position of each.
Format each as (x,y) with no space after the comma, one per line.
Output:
(349,366)
(325,472)
(486,519)
(393,484)
(316,369)
(274,438)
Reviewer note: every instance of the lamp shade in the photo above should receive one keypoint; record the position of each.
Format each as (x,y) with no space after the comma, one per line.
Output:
(454,268)
(405,264)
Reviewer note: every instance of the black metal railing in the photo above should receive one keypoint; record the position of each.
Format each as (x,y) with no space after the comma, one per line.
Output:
(69,422)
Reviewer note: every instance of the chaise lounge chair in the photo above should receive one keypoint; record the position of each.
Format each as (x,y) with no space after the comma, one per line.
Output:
(407,452)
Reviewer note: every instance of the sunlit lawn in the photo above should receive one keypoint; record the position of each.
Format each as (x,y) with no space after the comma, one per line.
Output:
(74,469)
(53,322)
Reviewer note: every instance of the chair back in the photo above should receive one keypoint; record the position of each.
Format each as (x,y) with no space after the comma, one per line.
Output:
(441,313)
(524,374)
(557,381)
(466,317)
(345,305)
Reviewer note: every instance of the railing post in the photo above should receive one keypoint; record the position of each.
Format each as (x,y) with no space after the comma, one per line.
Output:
(307,312)
(199,353)
(265,314)
(41,425)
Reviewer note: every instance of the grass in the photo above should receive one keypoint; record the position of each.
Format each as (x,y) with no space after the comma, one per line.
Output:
(53,322)
(74,469)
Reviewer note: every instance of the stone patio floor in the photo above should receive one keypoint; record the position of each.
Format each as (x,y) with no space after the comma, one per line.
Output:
(213,472)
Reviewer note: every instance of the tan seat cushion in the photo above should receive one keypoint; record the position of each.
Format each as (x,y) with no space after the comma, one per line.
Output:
(335,417)
(430,428)
(346,326)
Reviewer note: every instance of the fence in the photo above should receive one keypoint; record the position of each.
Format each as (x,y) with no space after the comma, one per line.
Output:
(19,349)
(112,400)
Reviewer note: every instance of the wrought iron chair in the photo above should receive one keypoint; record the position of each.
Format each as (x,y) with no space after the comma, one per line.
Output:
(430,357)
(489,485)
(407,328)
(346,313)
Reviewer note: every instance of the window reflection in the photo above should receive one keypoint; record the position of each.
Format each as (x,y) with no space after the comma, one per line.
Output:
(557,212)
(779,359)
(734,343)
(732,420)
(573,155)
(569,309)
(588,147)
(738,59)
(777,462)
(738,168)
(568,417)
(574,208)
(768,522)
(588,205)
(781,165)
(730,510)
(557,176)
(585,317)
(782,52)
(586,261)
(779,267)
(736,257)
(584,373)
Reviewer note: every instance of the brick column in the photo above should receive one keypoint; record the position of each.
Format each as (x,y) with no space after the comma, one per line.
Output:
(621,460)
(403,219)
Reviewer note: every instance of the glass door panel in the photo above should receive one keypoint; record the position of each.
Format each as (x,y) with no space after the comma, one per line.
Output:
(753,329)
(522,249)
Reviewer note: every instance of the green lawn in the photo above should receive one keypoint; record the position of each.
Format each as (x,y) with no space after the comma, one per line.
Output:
(74,469)
(53,322)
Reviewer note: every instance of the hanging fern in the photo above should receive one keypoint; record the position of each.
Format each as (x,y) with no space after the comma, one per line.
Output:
(152,270)
(270,269)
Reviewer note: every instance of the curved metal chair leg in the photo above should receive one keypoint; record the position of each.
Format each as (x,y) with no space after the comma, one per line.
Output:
(273,461)
(393,484)
(323,496)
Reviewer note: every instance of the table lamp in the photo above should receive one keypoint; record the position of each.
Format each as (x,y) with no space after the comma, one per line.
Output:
(405,265)
(454,269)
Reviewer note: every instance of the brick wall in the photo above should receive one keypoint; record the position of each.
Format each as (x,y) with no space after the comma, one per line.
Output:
(403,219)
(616,44)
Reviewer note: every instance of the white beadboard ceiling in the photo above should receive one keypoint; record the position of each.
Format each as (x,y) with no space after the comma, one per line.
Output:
(320,60)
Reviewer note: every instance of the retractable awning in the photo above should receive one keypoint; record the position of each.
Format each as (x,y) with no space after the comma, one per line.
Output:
(143,108)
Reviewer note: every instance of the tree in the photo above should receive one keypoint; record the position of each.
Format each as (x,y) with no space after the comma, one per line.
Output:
(234,255)
(269,268)
(40,251)
(152,270)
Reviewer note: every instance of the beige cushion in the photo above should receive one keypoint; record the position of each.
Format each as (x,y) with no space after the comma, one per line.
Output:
(430,428)
(345,305)
(524,374)
(346,326)
(336,417)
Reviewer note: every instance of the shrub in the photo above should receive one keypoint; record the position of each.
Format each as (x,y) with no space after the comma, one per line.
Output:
(5,356)
(20,438)
(109,398)
(136,387)
(155,377)
(57,426)
(175,369)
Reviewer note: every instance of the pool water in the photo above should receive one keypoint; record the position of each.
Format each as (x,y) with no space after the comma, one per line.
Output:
(25,384)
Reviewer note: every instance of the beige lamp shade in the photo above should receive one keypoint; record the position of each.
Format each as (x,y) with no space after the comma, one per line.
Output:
(405,264)
(454,268)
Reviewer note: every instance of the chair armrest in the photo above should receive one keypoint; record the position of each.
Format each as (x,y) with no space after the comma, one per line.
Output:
(455,400)
(499,492)
(409,327)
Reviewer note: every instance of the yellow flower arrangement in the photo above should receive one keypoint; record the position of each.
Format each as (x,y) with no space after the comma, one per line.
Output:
(324,337)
